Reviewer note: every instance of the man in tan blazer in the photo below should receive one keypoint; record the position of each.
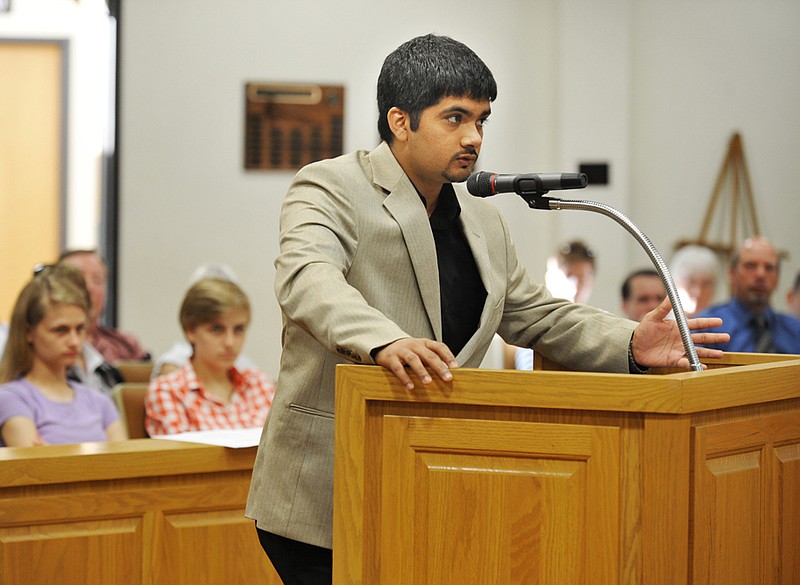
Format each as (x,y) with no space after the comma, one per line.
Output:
(383,260)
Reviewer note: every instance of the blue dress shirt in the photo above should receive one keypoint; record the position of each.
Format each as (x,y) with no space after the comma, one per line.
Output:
(737,320)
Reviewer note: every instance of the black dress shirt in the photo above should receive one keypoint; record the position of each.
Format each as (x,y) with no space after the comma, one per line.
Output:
(462,292)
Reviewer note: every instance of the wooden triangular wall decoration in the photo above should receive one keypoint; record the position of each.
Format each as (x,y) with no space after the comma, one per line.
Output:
(733,203)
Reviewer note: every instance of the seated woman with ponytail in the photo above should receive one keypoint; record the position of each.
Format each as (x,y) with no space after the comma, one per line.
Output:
(39,404)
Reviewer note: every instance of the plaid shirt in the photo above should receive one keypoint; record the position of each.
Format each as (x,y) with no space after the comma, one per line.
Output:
(177,402)
(114,345)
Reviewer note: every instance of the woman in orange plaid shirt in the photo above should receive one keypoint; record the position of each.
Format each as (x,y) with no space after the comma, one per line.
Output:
(209,392)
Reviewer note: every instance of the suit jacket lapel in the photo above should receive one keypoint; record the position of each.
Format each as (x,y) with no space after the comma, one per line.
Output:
(473,231)
(405,206)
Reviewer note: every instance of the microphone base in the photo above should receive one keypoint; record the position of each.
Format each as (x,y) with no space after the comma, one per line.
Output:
(538,201)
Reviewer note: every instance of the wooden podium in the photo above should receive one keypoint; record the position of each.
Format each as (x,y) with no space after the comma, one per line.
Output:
(555,477)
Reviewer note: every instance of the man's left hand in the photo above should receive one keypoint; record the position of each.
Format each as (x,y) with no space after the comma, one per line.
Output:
(657,340)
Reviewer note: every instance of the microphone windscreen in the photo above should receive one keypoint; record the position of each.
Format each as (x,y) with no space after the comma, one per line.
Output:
(480,184)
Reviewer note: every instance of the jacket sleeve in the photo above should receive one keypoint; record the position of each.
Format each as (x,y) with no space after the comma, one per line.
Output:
(577,336)
(319,237)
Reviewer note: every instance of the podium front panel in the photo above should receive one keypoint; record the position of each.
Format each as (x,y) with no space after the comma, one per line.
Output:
(486,501)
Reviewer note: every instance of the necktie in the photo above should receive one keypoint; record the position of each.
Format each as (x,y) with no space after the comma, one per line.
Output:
(763,336)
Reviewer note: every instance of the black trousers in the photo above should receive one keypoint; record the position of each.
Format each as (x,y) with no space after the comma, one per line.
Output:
(297,563)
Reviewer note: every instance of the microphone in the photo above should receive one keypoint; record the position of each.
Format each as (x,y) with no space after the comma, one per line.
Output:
(532,187)
(486,184)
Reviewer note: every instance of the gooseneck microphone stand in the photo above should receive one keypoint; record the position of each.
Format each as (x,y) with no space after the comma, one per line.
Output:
(536,200)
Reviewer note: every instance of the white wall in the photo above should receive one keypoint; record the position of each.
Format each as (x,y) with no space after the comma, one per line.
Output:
(655,88)
(594,102)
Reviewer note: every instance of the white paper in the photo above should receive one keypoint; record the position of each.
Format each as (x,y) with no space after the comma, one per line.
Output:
(234,438)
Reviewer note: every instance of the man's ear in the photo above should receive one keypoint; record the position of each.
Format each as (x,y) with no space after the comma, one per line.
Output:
(399,123)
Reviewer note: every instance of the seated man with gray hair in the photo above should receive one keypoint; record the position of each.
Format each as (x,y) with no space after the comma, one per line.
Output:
(695,270)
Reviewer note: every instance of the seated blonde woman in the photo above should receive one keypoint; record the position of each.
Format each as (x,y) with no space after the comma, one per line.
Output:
(39,404)
(209,391)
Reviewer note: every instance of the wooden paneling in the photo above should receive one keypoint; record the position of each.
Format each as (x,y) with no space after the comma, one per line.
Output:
(141,512)
(239,560)
(665,500)
(786,510)
(73,553)
(746,489)
(476,501)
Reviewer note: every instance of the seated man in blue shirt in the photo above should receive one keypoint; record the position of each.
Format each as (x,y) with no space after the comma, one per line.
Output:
(749,319)
(792,298)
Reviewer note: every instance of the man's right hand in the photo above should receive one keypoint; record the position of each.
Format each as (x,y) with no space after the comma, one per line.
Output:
(419,355)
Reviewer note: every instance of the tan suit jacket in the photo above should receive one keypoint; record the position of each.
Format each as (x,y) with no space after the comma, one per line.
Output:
(357,270)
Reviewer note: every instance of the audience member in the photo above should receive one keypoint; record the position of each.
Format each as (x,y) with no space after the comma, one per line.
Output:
(749,319)
(209,391)
(181,351)
(39,404)
(92,370)
(569,275)
(113,345)
(793,297)
(570,272)
(642,292)
(695,271)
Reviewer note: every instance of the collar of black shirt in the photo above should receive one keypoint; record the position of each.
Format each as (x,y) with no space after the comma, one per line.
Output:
(447,208)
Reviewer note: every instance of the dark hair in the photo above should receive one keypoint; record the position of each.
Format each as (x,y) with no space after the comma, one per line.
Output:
(575,251)
(626,286)
(796,286)
(422,71)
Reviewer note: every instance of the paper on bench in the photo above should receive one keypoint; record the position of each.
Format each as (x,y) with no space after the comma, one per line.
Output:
(235,438)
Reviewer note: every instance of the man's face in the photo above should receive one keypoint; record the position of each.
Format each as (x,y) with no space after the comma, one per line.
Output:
(647,292)
(96,277)
(446,144)
(755,275)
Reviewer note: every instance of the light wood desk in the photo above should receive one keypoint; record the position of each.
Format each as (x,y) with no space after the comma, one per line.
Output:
(138,512)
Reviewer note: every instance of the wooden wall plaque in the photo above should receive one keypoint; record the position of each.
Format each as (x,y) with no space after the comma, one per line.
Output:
(290,125)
